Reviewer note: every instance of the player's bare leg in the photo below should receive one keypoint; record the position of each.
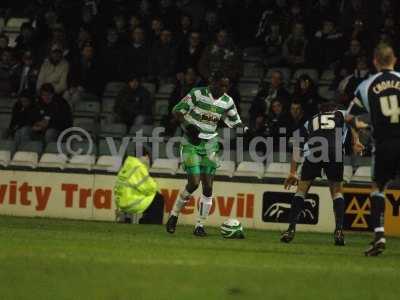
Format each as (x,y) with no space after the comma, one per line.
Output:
(297,206)
(204,205)
(336,189)
(378,245)
(191,186)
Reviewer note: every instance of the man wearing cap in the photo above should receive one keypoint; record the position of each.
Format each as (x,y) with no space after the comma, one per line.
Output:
(54,70)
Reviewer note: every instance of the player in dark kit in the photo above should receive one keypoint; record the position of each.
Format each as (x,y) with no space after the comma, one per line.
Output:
(379,97)
(324,136)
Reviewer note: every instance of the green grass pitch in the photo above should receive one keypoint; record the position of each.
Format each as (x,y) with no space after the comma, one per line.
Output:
(60,259)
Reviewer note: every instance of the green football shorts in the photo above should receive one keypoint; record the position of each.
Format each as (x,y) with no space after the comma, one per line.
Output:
(201,159)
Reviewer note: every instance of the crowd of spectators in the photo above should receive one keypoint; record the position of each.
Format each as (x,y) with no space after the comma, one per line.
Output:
(71,48)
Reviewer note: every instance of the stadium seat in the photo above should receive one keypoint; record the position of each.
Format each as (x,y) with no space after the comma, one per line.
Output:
(81,162)
(146,130)
(227,164)
(88,97)
(113,130)
(327,77)
(5,120)
(249,168)
(27,154)
(5,157)
(166,89)
(86,157)
(277,170)
(14,24)
(108,160)
(25,159)
(161,106)
(347,173)
(52,160)
(326,92)
(108,105)
(151,87)
(6,105)
(310,72)
(2,24)
(86,109)
(252,70)
(113,88)
(87,124)
(109,163)
(362,174)
(248,89)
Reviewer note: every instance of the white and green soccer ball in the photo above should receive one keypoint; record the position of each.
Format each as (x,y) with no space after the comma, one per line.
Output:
(232,229)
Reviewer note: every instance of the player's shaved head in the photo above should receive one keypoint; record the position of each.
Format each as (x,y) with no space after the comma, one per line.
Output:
(384,56)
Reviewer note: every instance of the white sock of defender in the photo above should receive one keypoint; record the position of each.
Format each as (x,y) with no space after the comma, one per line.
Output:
(180,203)
(204,209)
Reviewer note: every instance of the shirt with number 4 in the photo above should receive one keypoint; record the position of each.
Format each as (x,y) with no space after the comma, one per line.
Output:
(379,97)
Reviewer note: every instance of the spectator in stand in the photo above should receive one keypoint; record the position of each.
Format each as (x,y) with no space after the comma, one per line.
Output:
(133,104)
(28,75)
(136,55)
(263,100)
(277,13)
(163,58)
(184,32)
(195,9)
(273,44)
(354,9)
(296,15)
(52,115)
(360,33)
(87,72)
(348,85)
(294,48)
(9,73)
(210,25)
(54,70)
(157,27)
(221,55)
(389,28)
(189,81)
(305,92)
(190,54)
(26,40)
(318,12)
(169,14)
(327,45)
(111,56)
(119,23)
(276,123)
(23,115)
(4,41)
(297,118)
(348,61)
(134,21)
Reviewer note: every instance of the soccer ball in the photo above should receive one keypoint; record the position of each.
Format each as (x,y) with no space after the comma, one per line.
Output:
(232,229)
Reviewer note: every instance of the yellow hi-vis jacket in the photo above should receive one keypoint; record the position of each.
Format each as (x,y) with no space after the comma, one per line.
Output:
(134,189)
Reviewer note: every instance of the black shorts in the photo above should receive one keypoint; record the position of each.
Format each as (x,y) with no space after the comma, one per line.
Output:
(311,170)
(386,161)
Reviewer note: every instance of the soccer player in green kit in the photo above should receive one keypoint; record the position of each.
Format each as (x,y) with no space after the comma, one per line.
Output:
(199,113)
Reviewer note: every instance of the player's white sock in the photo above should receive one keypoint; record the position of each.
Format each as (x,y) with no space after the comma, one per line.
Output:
(180,202)
(204,209)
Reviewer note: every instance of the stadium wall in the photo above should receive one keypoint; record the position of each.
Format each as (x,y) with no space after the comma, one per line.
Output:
(257,205)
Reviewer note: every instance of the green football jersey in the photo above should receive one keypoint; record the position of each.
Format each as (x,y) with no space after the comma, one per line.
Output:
(202,110)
